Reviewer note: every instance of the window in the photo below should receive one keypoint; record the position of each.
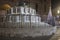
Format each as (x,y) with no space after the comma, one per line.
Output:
(14,10)
(26,19)
(13,18)
(18,10)
(32,18)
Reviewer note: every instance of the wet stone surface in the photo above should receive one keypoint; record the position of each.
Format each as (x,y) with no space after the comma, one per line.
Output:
(26,38)
(57,35)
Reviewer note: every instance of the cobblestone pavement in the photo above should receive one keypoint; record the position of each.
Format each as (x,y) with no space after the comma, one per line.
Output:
(57,35)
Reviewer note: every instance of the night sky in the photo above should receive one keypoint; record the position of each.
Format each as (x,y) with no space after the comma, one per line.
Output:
(54,3)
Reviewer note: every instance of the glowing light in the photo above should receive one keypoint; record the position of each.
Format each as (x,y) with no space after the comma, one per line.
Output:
(58,11)
(6,6)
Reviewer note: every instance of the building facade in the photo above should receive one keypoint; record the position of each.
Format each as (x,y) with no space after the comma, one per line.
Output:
(41,6)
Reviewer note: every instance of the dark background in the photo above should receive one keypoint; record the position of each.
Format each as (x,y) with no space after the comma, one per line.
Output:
(55,3)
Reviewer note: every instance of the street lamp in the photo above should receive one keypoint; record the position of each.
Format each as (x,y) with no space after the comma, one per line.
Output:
(58,11)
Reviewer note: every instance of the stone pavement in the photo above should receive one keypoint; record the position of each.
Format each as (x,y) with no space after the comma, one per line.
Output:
(25,38)
(57,35)
(8,34)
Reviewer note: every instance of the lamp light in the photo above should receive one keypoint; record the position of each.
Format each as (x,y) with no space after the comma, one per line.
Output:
(58,11)
(5,6)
